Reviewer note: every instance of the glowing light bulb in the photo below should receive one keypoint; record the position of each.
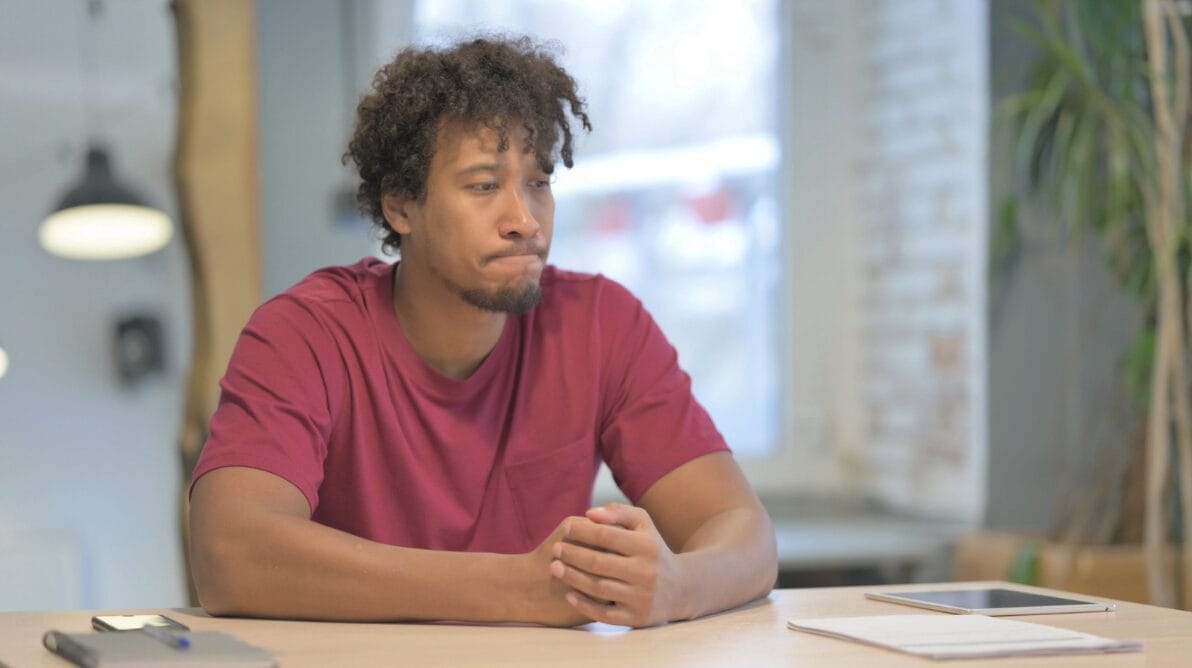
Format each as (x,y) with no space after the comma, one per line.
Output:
(105,232)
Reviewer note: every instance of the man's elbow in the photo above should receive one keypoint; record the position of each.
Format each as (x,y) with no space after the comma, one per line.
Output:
(769,577)
(769,570)
(220,602)
(217,565)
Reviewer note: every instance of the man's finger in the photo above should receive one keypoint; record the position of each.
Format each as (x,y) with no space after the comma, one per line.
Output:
(601,612)
(596,562)
(597,588)
(630,517)
(603,536)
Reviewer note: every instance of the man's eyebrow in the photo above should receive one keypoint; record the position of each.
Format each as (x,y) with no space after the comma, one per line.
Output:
(480,167)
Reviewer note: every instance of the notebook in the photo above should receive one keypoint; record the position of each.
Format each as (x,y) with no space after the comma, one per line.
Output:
(120,649)
(962,636)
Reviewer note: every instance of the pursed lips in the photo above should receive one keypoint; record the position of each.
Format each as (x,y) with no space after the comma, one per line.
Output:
(531,251)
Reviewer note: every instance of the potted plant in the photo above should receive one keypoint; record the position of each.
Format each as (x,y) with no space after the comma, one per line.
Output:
(1103,133)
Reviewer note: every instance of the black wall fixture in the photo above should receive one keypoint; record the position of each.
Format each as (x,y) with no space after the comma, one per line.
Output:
(138,347)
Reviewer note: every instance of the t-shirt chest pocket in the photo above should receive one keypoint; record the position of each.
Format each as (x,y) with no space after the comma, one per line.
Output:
(551,486)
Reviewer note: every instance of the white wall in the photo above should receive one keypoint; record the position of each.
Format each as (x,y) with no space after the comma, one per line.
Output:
(310,56)
(89,483)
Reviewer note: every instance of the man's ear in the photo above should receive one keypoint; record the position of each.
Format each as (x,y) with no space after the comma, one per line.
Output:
(397,211)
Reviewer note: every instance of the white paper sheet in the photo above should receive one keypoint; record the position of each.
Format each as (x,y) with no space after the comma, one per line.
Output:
(962,636)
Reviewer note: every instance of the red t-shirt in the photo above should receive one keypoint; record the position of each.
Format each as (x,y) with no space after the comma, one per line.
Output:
(324,390)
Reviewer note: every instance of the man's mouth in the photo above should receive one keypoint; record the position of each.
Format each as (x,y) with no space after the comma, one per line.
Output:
(524,253)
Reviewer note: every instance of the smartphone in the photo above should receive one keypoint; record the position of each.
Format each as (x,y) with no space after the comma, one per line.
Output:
(133,622)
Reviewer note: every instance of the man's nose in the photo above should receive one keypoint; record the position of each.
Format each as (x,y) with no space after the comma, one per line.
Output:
(519,221)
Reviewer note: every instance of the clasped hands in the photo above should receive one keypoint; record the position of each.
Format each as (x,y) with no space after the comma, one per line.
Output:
(616,567)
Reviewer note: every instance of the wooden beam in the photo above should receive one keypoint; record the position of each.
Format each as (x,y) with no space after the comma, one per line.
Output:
(215,170)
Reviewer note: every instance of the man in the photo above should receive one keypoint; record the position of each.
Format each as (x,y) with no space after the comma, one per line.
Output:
(419,440)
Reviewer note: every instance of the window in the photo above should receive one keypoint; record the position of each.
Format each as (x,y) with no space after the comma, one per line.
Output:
(674,193)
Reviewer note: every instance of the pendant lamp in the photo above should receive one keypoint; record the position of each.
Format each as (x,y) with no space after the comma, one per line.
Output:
(101,219)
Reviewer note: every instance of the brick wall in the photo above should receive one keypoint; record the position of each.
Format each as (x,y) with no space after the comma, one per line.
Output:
(920,170)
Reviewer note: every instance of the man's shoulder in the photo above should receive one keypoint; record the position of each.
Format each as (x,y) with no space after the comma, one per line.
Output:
(340,283)
(340,293)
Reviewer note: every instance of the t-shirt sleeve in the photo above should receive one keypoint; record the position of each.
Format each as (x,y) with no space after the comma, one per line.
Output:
(277,399)
(652,423)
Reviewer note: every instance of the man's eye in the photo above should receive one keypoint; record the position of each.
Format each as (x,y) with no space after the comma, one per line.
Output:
(483,187)
(541,183)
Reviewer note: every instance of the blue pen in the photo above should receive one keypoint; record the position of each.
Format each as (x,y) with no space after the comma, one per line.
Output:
(164,636)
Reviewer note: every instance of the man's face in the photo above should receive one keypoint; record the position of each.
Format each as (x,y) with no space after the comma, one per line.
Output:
(484,227)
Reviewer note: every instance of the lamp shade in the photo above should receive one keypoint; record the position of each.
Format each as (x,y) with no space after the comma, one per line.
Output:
(100,219)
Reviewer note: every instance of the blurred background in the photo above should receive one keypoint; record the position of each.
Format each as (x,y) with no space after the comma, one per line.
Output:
(803,193)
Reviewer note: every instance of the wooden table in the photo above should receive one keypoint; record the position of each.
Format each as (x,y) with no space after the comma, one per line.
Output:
(753,635)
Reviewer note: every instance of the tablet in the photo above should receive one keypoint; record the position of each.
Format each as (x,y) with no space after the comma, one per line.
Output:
(990,601)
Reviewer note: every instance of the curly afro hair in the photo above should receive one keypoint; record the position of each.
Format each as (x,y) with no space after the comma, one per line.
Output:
(488,81)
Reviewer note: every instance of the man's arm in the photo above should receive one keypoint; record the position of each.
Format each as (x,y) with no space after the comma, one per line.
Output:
(256,552)
(700,542)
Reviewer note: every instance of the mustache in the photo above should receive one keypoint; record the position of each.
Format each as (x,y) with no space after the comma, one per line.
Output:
(528,248)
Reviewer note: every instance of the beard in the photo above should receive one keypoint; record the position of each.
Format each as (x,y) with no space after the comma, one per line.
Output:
(504,300)
(516,298)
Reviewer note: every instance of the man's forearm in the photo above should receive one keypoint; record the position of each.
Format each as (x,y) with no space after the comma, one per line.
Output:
(256,552)
(289,567)
(729,560)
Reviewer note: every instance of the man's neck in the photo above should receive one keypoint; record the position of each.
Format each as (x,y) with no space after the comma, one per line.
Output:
(451,335)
